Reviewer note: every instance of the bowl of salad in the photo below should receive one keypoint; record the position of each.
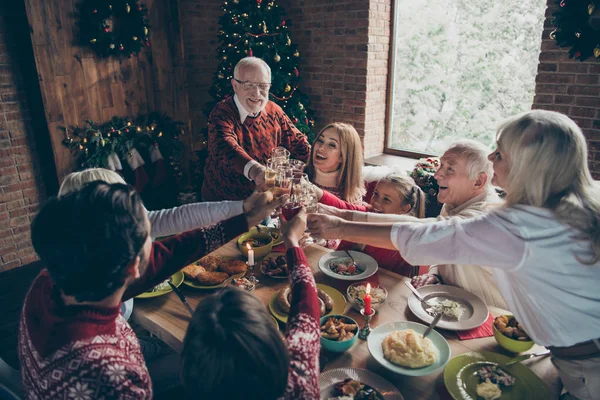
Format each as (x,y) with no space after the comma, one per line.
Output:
(356,292)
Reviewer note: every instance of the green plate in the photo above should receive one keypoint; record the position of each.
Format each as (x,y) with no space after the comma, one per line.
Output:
(277,238)
(176,279)
(461,378)
(339,303)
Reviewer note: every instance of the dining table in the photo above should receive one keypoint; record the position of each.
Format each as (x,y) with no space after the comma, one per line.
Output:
(167,318)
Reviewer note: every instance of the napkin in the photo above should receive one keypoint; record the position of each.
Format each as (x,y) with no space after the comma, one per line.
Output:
(484,330)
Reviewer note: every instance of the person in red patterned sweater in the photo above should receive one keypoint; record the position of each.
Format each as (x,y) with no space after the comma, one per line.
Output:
(232,339)
(242,132)
(394,194)
(95,244)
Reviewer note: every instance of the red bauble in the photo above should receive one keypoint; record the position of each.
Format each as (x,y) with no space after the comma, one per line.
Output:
(250,53)
(94,11)
(258,2)
(139,8)
(106,30)
(283,22)
(577,54)
(295,120)
(121,48)
(296,72)
(306,121)
(126,130)
(563,3)
(147,43)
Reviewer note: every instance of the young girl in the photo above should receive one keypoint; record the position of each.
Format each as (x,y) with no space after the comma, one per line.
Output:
(232,350)
(544,243)
(394,194)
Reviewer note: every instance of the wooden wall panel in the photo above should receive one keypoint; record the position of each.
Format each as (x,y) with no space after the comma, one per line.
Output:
(77,85)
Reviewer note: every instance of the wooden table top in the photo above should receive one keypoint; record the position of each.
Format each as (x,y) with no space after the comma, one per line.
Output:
(167,318)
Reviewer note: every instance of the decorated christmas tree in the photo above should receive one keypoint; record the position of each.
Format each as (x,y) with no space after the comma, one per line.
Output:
(258,28)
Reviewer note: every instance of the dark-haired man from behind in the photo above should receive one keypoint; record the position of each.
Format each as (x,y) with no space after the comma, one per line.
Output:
(95,244)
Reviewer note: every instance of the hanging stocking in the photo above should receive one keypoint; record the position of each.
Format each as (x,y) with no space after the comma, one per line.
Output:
(136,163)
(113,162)
(160,173)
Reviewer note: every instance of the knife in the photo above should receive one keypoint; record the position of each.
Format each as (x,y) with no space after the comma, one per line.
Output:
(524,357)
(437,318)
(181,297)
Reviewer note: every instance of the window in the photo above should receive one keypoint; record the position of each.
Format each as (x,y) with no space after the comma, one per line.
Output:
(458,69)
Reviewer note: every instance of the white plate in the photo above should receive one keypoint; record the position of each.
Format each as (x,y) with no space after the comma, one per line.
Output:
(329,379)
(378,334)
(364,261)
(475,311)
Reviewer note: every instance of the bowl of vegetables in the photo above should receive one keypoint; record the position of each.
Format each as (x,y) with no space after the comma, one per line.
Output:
(260,242)
(510,334)
(356,292)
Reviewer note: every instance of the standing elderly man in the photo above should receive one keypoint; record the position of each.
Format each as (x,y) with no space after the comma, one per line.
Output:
(243,130)
(464,180)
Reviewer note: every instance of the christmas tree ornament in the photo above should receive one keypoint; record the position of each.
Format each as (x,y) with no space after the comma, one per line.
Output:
(94,11)
(236,1)
(93,40)
(552,35)
(288,41)
(297,54)
(139,8)
(146,31)
(591,8)
(283,22)
(111,46)
(127,8)
(121,47)
(244,15)
(110,7)
(597,52)
(258,2)
(224,58)
(577,54)
(264,28)
(220,76)
(295,120)
(574,28)
(250,53)
(296,72)
(106,29)
(276,57)
(301,106)
(578,34)
(563,3)
(288,88)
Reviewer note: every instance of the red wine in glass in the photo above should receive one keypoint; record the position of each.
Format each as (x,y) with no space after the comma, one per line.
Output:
(290,210)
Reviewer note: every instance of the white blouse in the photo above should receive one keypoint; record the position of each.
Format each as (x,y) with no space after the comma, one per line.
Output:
(554,296)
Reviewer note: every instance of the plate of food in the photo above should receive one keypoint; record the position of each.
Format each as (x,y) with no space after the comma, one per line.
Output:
(211,272)
(274,232)
(478,375)
(163,287)
(275,266)
(332,302)
(462,310)
(339,265)
(356,383)
(400,347)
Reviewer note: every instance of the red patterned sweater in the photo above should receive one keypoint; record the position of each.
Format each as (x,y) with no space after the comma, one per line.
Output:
(303,332)
(386,259)
(232,144)
(85,352)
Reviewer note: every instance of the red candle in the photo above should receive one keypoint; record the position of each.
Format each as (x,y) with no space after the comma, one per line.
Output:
(367,300)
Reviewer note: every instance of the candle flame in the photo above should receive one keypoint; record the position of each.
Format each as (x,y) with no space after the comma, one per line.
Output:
(248,246)
(368,288)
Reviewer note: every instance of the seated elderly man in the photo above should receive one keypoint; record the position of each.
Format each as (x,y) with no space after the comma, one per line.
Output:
(242,132)
(464,179)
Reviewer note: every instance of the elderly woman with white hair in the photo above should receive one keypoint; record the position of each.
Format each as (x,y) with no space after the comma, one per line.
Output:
(464,178)
(544,243)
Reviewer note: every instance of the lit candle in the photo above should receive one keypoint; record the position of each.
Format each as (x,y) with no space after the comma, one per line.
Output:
(367,300)
(250,255)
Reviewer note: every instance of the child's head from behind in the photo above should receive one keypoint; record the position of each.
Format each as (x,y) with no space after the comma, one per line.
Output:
(398,194)
(337,147)
(232,350)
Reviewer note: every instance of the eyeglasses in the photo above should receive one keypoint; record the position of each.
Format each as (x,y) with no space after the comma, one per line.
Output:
(263,87)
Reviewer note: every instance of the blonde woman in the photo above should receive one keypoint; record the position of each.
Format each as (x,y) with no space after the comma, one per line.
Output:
(336,162)
(544,243)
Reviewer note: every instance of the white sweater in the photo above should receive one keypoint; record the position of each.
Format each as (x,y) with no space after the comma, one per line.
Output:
(550,292)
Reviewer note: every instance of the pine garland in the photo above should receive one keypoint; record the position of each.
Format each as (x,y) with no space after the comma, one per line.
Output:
(573,29)
(93,142)
(114,27)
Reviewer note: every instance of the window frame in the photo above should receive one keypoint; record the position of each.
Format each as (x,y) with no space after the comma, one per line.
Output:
(390,95)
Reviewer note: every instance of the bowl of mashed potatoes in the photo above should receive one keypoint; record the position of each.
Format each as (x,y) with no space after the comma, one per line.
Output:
(400,347)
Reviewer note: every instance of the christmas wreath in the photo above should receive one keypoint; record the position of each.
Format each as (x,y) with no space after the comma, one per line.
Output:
(114,27)
(573,28)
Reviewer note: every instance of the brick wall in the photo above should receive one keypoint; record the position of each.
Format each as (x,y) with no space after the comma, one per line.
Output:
(21,183)
(571,87)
